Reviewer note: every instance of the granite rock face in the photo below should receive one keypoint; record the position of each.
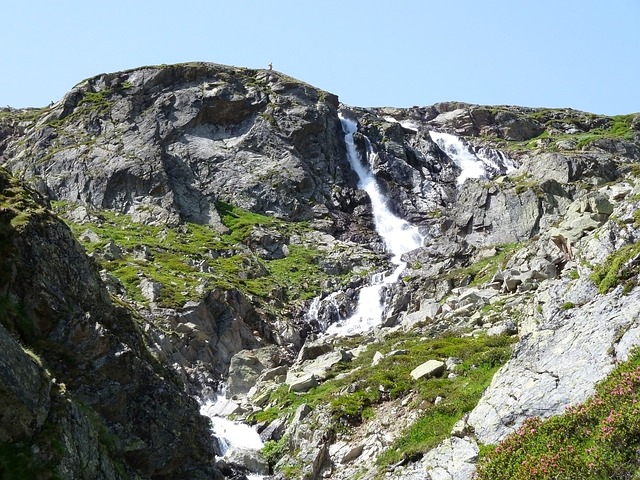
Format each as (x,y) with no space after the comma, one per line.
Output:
(167,143)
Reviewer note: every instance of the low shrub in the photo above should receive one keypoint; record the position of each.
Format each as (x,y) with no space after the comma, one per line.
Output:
(598,439)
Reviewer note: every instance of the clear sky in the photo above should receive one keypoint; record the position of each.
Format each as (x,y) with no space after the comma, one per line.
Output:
(583,54)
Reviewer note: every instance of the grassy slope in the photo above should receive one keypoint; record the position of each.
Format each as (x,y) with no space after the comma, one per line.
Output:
(178,256)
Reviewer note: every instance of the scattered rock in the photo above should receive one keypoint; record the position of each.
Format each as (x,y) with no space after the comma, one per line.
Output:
(507,327)
(274,430)
(89,236)
(150,290)
(430,368)
(314,349)
(301,383)
(377,358)
(252,460)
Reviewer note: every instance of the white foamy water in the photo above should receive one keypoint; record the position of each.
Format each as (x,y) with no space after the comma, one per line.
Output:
(469,163)
(484,164)
(230,434)
(399,237)
(408,124)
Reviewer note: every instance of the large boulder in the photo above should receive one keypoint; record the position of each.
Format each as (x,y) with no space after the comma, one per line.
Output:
(430,368)
(246,367)
(553,366)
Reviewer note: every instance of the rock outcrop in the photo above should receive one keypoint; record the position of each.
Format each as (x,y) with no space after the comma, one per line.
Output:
(87,377)
(166,143)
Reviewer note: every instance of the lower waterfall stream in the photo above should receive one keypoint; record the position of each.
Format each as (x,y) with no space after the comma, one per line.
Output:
(232,437)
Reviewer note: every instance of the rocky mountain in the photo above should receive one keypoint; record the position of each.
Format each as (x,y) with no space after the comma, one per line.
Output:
(170,230)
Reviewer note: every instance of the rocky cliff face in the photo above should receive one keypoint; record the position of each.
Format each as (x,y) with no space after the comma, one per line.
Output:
(217,202)
(166,143)
(82,396)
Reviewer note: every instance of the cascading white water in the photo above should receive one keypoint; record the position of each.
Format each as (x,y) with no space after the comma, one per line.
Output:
(230,435)
(399,237)
(482,164)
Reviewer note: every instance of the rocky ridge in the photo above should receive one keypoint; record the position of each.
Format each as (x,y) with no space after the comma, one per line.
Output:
(234,182)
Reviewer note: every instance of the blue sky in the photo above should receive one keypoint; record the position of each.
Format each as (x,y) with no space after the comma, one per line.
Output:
(548,53)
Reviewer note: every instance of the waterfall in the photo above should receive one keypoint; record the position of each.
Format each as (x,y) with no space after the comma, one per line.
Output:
(399,237)
(232,436)
(485,163)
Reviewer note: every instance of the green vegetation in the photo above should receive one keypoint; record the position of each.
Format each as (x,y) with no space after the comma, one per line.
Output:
(20,115)
(352,396)
(483,270)
(274,450)
(567,305)
(591,127)
(596,440)
(18,462)
(106,437)
(526,182)
(18,206)
(620,267)
(17,203)
(293,471)
(636,218)
(185,257)
(91,104)
(37,457)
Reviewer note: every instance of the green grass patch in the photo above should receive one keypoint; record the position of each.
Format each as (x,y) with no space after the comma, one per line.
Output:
(622,266)
(274,450)
(483,270)
(592,127)
(184,257)
(92,103)
(598,439)
(352,397)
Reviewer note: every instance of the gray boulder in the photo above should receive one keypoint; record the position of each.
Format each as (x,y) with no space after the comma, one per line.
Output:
(553,365)
(301,382)
(453,459)
(246,367)
(150,290)
(252,460)
(430,368)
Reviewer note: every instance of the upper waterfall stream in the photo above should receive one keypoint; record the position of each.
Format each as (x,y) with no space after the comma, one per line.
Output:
(399,237)
(473,163)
